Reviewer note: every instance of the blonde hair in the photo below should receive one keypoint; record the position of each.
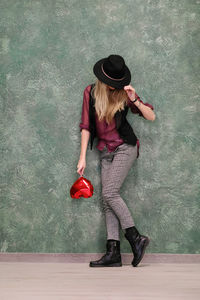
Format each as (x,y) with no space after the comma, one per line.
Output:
(108,102)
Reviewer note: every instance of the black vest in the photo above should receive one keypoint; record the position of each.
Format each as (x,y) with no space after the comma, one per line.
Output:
(123,127)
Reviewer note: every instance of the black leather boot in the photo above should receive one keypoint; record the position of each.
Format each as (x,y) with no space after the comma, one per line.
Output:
(112,258)
(138,244)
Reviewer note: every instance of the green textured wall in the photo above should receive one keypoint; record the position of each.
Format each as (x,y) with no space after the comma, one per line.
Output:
(47,52)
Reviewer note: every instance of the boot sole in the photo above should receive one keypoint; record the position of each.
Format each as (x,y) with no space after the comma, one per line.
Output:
(145,245)
(110,265)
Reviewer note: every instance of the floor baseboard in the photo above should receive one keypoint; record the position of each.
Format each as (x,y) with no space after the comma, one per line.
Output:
(86,257)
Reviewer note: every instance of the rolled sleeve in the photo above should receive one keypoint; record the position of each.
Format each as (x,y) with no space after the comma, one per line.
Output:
(135,109)
(85,124)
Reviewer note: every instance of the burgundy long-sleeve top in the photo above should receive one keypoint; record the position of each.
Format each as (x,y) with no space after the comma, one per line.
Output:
(108,135)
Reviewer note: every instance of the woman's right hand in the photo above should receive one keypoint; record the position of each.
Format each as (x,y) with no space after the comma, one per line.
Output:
(81,166)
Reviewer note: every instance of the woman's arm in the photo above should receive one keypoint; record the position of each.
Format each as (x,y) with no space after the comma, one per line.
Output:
(143,109)
(85,135)
(85,121)
(85,131)
(146,111)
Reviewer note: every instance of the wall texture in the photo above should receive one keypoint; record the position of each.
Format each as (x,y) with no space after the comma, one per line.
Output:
(47,52)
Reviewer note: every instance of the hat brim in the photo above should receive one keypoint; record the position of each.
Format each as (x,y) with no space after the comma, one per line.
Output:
(118,84)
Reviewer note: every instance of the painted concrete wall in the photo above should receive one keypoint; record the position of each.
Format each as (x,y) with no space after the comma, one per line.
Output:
(48,49)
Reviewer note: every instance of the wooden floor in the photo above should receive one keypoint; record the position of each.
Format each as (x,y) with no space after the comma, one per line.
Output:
(70,281)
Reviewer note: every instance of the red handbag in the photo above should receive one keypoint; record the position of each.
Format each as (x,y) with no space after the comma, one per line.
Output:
(82,187)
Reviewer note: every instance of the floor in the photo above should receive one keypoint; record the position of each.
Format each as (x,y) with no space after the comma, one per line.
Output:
(70,281)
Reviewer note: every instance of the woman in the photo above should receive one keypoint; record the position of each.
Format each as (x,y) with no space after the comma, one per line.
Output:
(104,109)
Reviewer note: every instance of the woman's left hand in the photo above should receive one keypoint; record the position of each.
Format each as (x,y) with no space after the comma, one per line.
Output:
(130,92)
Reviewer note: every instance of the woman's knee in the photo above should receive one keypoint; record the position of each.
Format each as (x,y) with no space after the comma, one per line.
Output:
(110,193)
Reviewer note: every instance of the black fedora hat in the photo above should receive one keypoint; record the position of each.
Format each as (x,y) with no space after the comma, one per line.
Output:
(113,71)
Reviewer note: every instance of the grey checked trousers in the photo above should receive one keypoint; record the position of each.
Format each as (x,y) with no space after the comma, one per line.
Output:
(114,169)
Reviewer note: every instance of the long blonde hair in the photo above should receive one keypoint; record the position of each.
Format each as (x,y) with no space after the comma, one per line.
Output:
(108,102)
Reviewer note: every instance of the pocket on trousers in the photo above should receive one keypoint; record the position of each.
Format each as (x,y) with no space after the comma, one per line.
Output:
(120,146)
(130,148)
